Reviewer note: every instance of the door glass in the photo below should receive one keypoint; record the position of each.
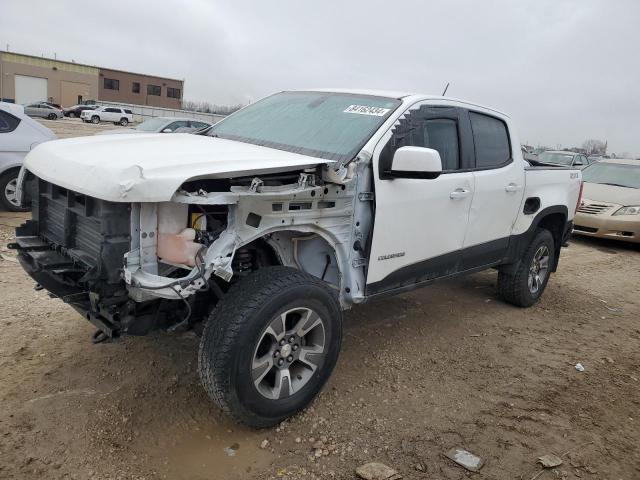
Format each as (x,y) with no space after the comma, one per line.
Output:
(491,140)
(441,134)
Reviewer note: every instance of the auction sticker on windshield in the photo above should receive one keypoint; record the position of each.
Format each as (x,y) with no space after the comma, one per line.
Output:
(366,110)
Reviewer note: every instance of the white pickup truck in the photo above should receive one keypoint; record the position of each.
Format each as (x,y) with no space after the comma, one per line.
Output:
(116,115)
(271,223)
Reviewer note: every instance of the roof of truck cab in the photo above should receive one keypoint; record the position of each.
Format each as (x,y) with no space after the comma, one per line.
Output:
(407,97)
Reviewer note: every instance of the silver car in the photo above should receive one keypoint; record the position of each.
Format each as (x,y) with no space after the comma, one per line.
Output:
(41,109)
(19,134)
(163,125)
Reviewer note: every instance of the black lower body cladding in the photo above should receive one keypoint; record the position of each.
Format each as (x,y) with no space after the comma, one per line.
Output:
(74,244)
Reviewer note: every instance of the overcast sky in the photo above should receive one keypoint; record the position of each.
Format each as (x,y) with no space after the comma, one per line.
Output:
(564,70)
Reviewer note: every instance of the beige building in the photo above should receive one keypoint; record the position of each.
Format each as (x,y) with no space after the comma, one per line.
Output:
(127,87)
(26,79)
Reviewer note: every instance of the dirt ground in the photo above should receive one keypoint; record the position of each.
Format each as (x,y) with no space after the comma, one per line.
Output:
(74,127)
(442,367)
(446,366)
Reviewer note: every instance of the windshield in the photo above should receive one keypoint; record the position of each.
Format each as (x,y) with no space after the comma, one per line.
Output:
(558,158)
(334,126)
(151,125)
(613,174)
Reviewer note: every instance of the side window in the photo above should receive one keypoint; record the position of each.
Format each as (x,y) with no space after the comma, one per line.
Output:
(441,134)
(491,140)
(112,110)
(128,111)
(421,129)
(111,84)
(176,125)
(8,123)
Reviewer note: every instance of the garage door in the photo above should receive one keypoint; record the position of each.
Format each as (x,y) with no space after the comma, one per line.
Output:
(30,89)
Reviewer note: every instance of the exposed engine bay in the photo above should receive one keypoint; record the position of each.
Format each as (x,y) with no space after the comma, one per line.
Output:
(132,267)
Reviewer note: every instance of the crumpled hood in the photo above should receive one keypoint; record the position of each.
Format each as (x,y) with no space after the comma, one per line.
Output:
(611,194)
(151,167)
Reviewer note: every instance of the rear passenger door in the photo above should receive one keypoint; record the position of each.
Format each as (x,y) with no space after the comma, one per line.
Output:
(499,186)
(111,114)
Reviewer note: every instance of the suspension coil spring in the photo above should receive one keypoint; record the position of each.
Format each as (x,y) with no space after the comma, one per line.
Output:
(243,260)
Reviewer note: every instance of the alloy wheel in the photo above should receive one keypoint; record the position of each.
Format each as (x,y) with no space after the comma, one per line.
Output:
(539,269)
(288,353)
(10,192)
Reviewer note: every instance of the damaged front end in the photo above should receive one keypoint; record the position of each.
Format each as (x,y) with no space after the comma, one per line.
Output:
(132,267)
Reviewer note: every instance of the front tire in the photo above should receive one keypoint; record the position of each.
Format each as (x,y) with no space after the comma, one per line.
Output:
(525,286)
(95,119)
(8,187)
(72,115)
(52,116)
(270,345)
(124,122)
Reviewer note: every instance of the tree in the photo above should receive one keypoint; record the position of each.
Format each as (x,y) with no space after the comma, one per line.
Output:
(595,147)
(206,107)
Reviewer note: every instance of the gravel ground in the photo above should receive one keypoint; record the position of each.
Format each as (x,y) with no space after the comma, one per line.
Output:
(74,127)
(442,367)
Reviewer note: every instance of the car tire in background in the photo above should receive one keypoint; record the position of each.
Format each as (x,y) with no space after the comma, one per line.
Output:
(95,119)
(270,345)
(525,286)
(8,185)
(72,115)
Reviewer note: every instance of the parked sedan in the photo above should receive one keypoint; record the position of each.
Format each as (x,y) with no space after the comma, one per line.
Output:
(163,125)
(76,110)
(560,158)
(42,109)
(610,206)
(18,135)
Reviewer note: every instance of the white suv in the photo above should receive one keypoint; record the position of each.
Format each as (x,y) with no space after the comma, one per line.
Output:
(117,115)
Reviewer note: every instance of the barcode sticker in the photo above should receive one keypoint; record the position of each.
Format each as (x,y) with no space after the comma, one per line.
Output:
(366,110)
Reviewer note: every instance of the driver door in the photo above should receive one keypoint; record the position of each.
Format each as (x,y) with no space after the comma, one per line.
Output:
(420,224)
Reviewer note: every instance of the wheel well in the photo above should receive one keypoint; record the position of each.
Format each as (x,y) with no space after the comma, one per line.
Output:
(309,253)
(10,169)
(555,223)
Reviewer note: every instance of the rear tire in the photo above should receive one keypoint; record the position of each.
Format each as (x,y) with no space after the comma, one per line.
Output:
(8,185)
(270,345)
(525,286)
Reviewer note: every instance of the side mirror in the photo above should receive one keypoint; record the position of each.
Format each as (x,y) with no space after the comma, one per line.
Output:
(167,130)
(416,162)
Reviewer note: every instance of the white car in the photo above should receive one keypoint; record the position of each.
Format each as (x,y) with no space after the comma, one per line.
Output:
(18,135)
(116,115)
(162,125)
(283,215)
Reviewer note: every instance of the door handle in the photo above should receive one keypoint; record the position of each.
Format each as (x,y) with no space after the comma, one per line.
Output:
(459,193)
(512,187)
